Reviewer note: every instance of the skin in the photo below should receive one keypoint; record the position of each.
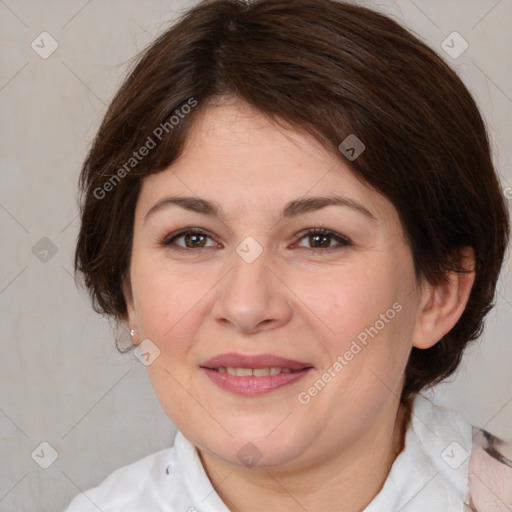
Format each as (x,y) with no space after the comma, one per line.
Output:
(294,301)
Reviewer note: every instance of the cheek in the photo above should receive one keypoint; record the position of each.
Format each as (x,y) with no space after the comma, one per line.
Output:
(171,389)
(166,300)
(367,323)
(346,300)
(169,309)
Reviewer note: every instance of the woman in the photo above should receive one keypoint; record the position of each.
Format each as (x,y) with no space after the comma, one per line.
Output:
(282,207)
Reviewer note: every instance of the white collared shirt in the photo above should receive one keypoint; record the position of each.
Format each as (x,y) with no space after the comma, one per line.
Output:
(446,466)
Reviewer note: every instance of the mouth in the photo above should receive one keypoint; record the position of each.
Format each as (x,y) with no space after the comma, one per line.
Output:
(255,374)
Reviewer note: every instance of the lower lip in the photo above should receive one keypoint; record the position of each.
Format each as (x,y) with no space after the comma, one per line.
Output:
(254,385)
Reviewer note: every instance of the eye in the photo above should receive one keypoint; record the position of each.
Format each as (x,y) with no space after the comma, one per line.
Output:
(192,239)
(320,238)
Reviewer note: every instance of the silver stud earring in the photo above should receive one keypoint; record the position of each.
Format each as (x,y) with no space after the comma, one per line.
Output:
(132,332)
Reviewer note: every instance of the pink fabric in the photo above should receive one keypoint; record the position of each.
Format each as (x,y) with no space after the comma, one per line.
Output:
(490,474)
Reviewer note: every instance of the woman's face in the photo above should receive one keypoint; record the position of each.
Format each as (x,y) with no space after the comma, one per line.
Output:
(261,280)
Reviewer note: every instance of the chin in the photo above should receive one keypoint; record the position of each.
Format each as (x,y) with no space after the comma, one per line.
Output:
(256,448)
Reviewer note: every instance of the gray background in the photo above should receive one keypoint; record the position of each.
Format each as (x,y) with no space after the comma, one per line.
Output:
(61,379)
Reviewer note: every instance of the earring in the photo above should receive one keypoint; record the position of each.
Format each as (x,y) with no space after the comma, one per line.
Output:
(132,332)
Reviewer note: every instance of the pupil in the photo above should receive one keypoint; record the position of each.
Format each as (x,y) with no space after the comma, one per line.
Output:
(194,238)
(318,238)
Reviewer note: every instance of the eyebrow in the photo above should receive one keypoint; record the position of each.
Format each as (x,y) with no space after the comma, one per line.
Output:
(292,209)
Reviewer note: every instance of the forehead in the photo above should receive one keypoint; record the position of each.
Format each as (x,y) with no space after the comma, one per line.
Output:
(236,156)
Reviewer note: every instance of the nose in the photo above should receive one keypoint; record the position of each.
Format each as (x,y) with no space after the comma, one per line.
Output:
(253,296)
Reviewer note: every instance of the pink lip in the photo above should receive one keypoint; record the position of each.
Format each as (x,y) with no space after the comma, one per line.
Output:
(254,384)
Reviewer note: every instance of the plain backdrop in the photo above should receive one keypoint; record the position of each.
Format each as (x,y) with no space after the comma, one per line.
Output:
(62,380)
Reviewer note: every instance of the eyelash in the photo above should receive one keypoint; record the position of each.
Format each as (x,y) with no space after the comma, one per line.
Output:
(343,241)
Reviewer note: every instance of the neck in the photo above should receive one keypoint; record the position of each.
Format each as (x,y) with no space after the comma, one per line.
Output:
(352,476)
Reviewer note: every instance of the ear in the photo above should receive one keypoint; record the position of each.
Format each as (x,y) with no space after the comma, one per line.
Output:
(442,305)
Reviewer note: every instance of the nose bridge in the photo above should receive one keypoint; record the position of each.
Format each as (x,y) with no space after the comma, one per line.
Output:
(251,295)
(250,272)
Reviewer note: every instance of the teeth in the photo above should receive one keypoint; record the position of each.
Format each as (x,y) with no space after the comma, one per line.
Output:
(260,372)
(256,372)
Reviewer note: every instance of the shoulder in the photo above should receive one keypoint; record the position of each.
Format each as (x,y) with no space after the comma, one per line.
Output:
(171,480)
(490,473)
(135,487)
(470,460)
(444,439)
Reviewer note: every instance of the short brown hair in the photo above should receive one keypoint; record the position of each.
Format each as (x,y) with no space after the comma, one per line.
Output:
(332,69)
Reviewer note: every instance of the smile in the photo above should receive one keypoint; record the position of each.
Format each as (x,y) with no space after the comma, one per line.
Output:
(256,372)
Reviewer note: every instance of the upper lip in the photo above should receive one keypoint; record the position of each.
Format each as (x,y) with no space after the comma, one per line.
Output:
(233,360)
